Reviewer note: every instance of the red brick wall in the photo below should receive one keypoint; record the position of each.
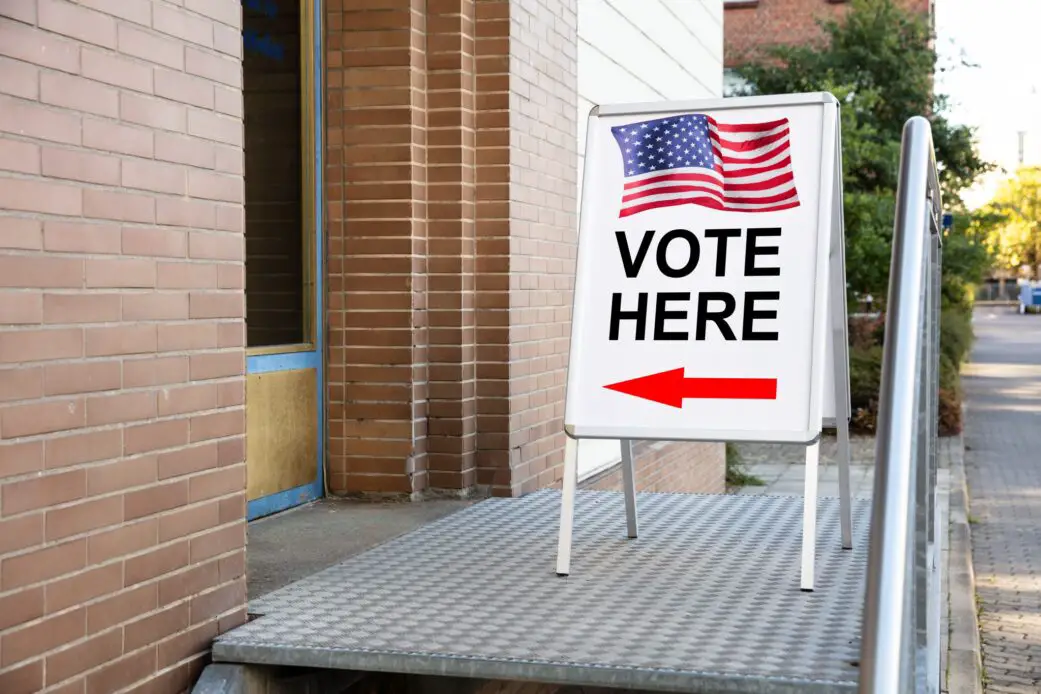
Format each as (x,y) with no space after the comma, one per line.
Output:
(751,26)
(121,341)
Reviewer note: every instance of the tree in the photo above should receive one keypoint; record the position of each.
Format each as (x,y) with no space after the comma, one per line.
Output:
(879,63)
(1012,220)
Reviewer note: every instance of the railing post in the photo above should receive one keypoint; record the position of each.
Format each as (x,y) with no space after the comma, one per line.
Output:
(922,459)
(935,531)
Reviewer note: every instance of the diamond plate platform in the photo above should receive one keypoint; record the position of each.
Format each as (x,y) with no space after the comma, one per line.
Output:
(706,600)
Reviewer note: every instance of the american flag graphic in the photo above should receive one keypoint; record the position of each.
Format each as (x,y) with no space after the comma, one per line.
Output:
(693,160)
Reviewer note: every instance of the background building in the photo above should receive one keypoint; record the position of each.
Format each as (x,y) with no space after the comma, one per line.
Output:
(257,252)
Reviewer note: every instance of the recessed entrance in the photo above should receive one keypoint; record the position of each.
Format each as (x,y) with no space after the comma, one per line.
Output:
(283,254)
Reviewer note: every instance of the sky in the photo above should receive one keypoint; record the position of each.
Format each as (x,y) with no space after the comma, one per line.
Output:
(1000,94)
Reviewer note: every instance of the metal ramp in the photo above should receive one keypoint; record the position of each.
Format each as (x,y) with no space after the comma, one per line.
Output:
(706,600)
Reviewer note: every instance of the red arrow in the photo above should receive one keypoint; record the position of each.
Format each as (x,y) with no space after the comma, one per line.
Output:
(671,387)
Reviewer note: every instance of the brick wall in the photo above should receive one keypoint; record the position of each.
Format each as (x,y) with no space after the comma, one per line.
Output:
(376,208)
(495,419)
(543,232)
(121,341)
(451,171)
(432,241)
(756,24)
(661,466)
(451,243)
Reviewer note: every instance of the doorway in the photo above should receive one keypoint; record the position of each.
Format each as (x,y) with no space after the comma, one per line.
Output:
(284,330)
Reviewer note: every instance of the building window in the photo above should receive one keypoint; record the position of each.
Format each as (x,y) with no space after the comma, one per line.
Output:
(278,158)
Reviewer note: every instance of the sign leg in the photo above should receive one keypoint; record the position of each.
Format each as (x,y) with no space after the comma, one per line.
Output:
(840,350)
(629,484)
(567,506)
(841,361)
(809,517)
(845,495)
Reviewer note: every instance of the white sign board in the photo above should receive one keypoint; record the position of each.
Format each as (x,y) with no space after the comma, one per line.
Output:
(702,278)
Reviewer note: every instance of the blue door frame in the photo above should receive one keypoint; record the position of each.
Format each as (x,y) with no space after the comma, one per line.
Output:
(313,358)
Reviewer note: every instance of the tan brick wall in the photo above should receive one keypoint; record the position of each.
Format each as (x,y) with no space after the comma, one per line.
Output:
(377,266)
(121,340)
(752,26)
(543,232)
(661,466)
(451,243)
(492,264)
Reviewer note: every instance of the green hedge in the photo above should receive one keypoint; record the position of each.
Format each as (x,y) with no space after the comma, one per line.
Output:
(866,368)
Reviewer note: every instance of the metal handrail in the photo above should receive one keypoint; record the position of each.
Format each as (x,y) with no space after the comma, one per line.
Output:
(899,647)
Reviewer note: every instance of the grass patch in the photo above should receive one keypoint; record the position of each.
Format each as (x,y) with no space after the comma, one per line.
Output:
(973,520)
(737,475)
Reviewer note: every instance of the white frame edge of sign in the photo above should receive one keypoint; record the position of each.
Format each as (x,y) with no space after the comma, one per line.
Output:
(822,323)
(734,102)
(843,403)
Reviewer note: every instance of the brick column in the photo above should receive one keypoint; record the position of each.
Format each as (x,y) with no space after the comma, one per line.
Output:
(452,415)
(376,211)
(543,233)
(492,266)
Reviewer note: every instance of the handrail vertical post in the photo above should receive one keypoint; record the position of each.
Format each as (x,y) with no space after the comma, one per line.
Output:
(935,532)
(921,464)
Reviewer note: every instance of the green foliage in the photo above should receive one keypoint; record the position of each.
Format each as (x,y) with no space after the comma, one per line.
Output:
(1012,221)
(949,416)
(865,375)
(869,235)
(955,335)
(865,372)
(966,254)
(736,475)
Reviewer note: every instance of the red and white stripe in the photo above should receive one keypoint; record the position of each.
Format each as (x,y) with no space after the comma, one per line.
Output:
(753,173)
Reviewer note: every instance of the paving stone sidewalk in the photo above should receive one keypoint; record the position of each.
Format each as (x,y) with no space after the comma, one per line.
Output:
(1003,466)
(781,467)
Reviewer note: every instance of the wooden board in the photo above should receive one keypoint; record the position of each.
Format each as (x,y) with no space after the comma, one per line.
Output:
(281,431)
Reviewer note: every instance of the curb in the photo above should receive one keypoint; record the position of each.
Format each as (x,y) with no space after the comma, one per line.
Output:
(964,663)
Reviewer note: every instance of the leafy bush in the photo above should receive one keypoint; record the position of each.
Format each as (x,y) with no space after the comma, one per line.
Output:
(955,335)
(865,376)
(736,475)
(865,370)
(949,415)
(866,332)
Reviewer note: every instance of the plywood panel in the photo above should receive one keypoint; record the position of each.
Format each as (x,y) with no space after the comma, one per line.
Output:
(281,431)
